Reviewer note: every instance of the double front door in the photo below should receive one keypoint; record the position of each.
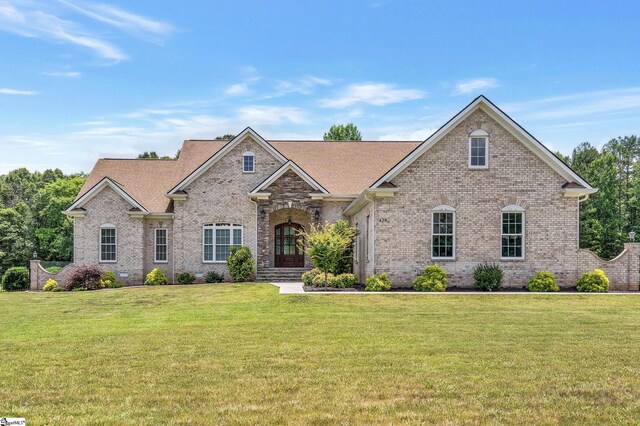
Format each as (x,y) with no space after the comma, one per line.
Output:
(288,254)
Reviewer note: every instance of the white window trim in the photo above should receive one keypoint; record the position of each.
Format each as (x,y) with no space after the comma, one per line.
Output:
(514,209)
(215,226)
(249,154)
(444,209)
(107,226)
(155,245)
(480,134)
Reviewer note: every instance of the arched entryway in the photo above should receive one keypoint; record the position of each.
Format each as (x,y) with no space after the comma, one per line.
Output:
(287,250)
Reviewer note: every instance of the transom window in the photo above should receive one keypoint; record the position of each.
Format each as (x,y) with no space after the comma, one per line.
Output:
(443,233)
(108,244)
(218,239)
(479,149)
(248,164)
(512,234)
(160,249)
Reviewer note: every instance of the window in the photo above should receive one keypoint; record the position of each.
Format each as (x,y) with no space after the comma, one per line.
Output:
(248,165)
(513,232)
(108,245)
(160,249)
(479,149)
(218,238)
(443,233)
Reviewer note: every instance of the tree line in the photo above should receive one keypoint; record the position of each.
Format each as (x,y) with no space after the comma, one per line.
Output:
(31,204)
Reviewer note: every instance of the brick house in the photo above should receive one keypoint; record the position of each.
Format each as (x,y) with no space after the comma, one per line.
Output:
(481,188)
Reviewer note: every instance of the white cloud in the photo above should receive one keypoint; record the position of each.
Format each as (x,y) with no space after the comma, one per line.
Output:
(259,114)
(474,85)
(412,135)
(377,94)
(66,74)
(6,91)
(237,89)
(579,104)
(304,85)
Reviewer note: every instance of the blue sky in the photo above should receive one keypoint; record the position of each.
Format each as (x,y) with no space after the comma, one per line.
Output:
(82,79)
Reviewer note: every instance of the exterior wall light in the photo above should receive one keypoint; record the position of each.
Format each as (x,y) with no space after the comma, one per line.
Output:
(632,236)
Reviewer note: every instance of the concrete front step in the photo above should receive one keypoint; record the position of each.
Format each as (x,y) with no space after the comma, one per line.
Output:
(280,274)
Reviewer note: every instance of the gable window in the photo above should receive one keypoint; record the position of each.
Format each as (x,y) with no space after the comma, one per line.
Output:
(248,164)
(443,238)
(479,149)
(108,244)
(218,238)
(513,232)
(160,246)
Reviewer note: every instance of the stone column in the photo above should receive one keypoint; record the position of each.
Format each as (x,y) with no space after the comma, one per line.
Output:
(633,266)
(34,272)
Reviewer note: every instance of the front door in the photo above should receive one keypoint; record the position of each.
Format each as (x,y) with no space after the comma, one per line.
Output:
(288,254)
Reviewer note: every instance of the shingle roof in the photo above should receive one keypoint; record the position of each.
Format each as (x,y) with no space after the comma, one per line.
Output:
(342,167)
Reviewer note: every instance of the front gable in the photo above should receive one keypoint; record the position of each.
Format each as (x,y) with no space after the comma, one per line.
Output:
(478,115)
(289,172)
(77,208)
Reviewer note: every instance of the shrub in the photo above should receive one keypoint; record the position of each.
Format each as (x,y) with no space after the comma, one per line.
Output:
(319,280)
(53,269)
(329,246)
(50,285)
(113,284)
(58,288)
(157,277)
(307,277)
(543,281)
(487,277)
(185,278)
(16,279)
(433,278)
(594,282)
(345,281)
(108,279)
(214,277)
(240,264)
(86,277)
(378,283)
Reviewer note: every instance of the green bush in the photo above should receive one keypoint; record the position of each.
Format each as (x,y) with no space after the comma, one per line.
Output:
(378,283)
(487,277)
(307,277)
(86,277)
(53,269)
(240,264)
(543,281)
(594,282)
(345,281)
(16,279)
(214,277)
(113,284)
(185,278)
(50,285)
(58,288)
(108,279)
(157,277)
(319,280)
(433,278)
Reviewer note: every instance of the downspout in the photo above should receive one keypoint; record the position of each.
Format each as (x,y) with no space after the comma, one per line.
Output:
(373,237)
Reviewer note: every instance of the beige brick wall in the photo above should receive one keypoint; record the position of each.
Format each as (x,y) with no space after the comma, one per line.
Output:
(623,271)
(442,176)
(219,195)
(150,225)
(107,207)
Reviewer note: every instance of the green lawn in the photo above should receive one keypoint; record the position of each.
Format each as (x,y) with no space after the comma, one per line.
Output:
(244,354)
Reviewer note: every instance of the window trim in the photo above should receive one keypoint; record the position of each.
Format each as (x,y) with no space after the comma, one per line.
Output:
(155,245)
(222,225)
(514,209)
(444,209)
(479,134)
(115,233)
(253,162)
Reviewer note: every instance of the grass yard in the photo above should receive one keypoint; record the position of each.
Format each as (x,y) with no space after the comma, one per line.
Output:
(243,354)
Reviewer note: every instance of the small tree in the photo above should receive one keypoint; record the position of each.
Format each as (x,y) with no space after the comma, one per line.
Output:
(343,132)
(327,245)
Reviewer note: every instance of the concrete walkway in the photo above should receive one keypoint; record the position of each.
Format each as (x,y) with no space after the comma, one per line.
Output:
(290,288)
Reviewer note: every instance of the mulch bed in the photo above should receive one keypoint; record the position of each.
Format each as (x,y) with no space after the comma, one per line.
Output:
(454,289)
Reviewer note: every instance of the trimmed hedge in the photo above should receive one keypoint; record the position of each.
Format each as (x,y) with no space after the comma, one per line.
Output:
(319,280)
(593,282)
(433,278)
(345,281)
(16,279)
(307,277)
(543,281)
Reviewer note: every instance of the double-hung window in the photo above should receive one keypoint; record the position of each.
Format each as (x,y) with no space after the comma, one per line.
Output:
(108,244)
(479,150)
(443,229)
(218,239)
(512,232)
(248,163)
(160,246)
